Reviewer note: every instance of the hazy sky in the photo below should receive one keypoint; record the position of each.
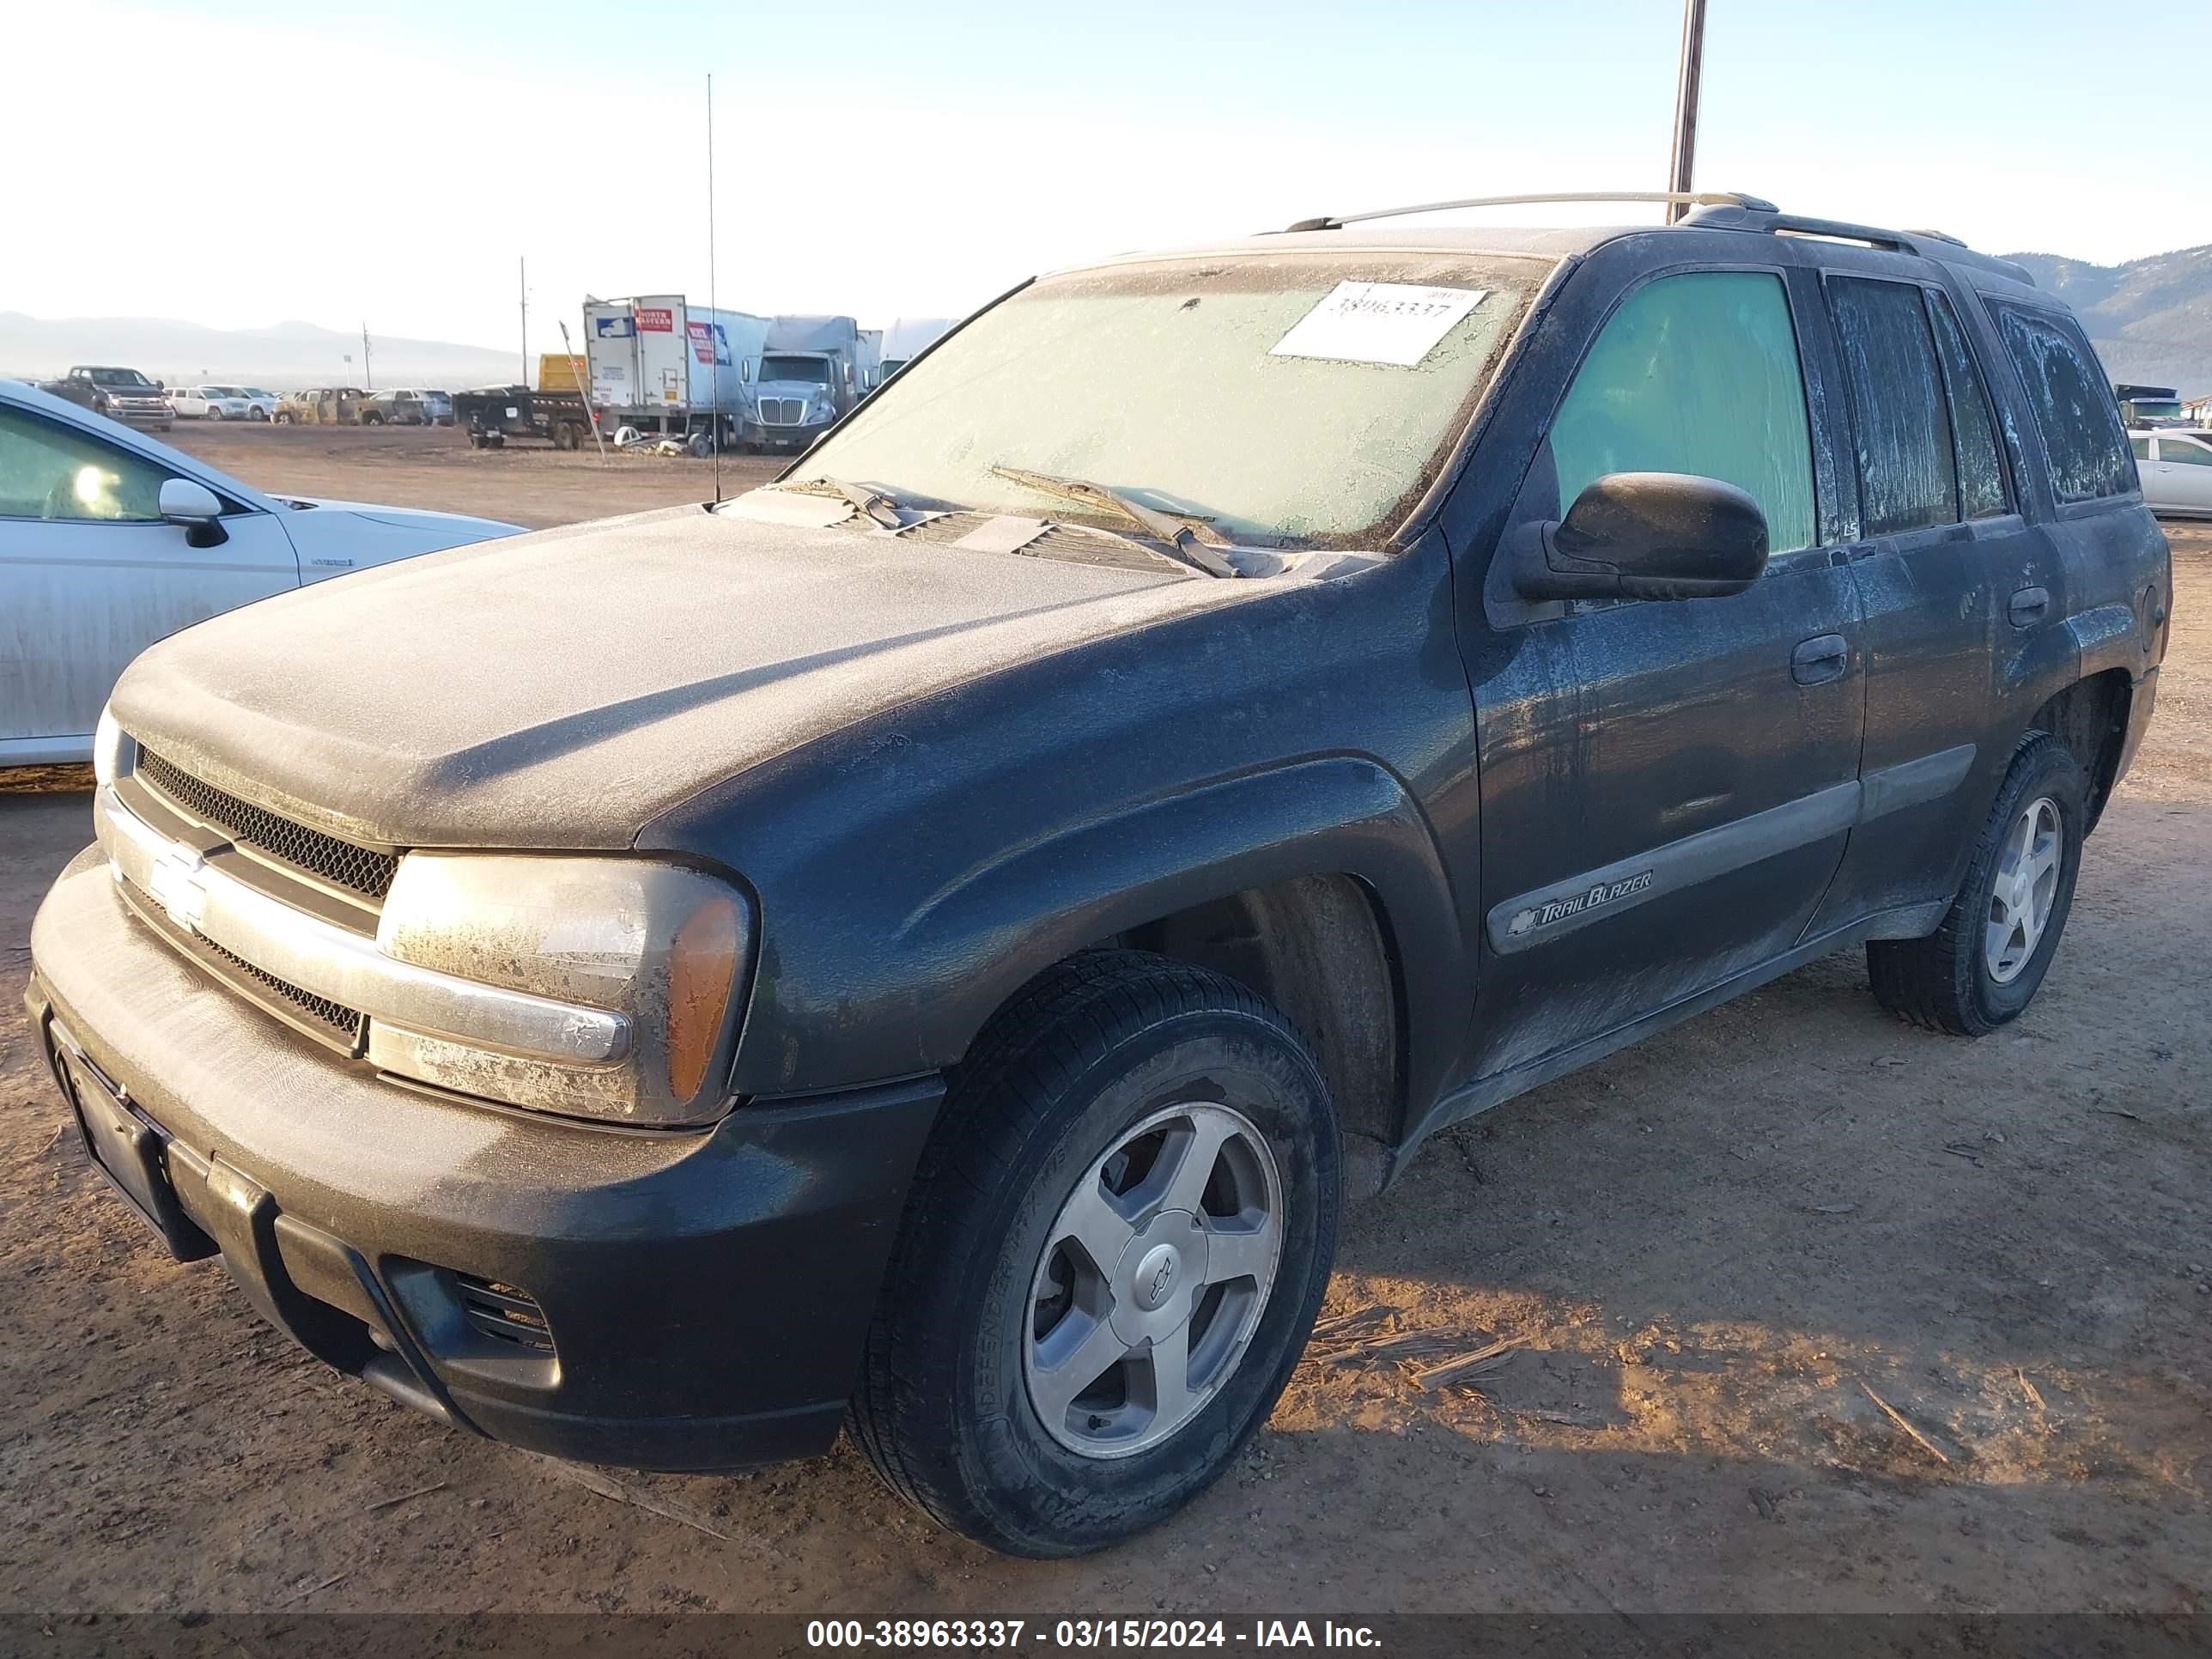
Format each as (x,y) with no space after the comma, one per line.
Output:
(249,162)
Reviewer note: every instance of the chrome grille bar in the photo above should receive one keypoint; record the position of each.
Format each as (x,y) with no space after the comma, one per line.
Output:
(342,966)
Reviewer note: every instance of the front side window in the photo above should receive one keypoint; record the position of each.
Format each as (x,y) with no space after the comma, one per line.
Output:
(2181,450)
(1697,373)
(2072,402)
(55,473)
(1289,398)
(1907,465)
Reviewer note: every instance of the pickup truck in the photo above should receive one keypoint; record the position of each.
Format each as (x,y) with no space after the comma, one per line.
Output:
(928,946)
(121,394)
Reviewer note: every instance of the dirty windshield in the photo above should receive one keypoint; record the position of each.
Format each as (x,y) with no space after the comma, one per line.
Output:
(1286,399)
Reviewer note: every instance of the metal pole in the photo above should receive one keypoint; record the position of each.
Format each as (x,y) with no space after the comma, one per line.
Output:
(522,286)
(368,375)
(584,387)
(1682,165)
(713,324)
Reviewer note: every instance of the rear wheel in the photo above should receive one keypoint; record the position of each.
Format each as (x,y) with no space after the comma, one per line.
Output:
(1114,1250)
(371,417)
(1982,967)
(257,413)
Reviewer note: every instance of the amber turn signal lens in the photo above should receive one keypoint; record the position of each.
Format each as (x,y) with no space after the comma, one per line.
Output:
(702,963)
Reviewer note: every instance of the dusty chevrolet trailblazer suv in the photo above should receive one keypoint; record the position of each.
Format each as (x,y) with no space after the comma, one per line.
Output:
(927,944)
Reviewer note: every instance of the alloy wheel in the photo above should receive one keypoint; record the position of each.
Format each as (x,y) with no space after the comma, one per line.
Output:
(2025,887)
(1153,1280)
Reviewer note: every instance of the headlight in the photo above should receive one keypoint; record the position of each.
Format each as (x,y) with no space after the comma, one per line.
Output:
(107,746)
(666,947)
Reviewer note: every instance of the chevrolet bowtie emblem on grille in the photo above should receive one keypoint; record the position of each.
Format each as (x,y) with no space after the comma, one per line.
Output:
(174,882)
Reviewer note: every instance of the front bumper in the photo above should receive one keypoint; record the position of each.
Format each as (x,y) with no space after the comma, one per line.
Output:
(706,1293)
(788,437)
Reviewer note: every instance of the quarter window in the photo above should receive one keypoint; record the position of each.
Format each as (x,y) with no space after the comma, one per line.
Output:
(2074,409)
(1974,432)
(1696,373)
(1907,464)
(52,472)
(2141,447)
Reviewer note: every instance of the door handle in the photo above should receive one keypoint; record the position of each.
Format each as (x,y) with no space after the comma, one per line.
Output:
(2027,606)
(1818,660)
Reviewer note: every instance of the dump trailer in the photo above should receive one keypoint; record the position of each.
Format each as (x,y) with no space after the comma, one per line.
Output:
(493,415)
(661,364)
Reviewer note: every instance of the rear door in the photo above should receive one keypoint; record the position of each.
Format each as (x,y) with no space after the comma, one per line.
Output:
(664,352)
(1666,786)
(1943,548)
(2184,473)
(90,574)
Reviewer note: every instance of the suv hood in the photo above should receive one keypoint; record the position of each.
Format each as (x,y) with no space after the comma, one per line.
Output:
(563,689)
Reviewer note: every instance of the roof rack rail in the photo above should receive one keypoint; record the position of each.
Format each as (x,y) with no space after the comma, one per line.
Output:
(1926,244)
(1709,198)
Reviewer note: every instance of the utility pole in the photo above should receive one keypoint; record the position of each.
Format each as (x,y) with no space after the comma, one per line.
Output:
(522,283)
(1682,165)
(368,375)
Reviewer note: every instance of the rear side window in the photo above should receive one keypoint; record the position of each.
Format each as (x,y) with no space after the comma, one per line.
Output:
(1973,429)
(2073,406)
(1907,465)
(1696,373)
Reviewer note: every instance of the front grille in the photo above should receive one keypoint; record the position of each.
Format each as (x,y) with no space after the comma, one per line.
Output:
(340,1018)
(334,860)
(502,1311)
(782,411)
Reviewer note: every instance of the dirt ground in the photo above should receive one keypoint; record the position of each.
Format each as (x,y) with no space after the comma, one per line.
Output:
(529,484)
(1805,1312)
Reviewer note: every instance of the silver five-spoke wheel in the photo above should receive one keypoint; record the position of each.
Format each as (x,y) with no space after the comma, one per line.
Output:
(1153,1280)
(2026,887)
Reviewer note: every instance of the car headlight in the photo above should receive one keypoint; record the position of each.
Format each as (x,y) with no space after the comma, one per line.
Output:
(108,745)
(666,947)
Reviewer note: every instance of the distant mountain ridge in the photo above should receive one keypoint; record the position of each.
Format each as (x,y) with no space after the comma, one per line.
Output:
(280,357)
(2151,319)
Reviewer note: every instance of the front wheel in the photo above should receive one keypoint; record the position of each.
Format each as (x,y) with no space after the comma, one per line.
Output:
(1112,1252)
(1982,967)
(257,413)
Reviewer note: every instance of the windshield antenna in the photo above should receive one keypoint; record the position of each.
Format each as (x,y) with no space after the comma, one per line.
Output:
(713,316)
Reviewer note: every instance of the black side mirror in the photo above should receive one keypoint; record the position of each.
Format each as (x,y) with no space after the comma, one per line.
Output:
(1645,535)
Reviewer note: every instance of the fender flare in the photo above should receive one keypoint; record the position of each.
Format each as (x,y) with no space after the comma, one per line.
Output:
(1334,815)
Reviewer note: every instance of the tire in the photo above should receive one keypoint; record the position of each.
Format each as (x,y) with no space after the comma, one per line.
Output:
(1981,969)
(257,413)
(1097,1079)
(285,417)
(212,413)
(372,418)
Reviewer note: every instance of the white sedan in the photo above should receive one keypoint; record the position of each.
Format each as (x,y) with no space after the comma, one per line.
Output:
(2175,467)
(110,539)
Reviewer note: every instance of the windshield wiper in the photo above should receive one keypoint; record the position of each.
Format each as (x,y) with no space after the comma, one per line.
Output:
(875,503)
(1173,529)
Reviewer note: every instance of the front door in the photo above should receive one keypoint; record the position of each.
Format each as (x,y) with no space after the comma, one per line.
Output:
(1667,785)
(90,574)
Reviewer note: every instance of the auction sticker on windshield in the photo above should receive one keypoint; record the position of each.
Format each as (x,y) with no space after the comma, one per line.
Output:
(1394,323)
